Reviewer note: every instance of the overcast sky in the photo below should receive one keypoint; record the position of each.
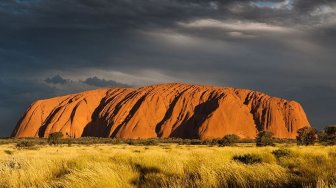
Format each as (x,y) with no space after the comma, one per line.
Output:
(54,47)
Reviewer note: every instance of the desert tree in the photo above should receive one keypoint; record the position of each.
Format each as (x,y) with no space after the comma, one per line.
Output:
(228,140)
(265,138)
(306,136)
(55,138)
(328,135)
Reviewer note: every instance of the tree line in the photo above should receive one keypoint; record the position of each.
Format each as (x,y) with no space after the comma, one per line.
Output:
(305,136)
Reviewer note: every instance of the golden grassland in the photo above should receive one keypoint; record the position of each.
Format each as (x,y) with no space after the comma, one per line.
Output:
(165,165)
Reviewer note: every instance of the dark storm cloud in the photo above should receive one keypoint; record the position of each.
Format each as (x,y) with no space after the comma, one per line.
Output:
(95,81)
(56,80)
(282,47)
(91,81)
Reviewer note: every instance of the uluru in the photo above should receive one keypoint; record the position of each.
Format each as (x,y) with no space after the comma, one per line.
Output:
(163,110)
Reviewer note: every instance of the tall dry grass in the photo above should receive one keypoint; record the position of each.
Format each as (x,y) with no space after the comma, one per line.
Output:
(165,166)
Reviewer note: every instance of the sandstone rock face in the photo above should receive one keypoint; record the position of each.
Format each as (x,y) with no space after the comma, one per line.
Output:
(165,110)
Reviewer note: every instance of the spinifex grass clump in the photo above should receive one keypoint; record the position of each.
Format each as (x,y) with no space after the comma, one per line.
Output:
(282,152)
(248,158)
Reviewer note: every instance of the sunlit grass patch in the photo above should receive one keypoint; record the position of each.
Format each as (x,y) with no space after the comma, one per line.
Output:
(167,165)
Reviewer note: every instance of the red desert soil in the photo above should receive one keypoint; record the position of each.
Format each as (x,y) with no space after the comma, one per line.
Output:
(164,110)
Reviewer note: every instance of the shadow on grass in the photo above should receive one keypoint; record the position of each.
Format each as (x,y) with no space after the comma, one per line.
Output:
(149,176)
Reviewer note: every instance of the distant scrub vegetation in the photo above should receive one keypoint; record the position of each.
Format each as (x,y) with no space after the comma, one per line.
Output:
(172,162)
(228,140)
(305,136)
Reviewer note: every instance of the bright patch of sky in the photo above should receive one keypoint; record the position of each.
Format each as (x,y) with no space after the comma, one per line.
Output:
(286,4)
(324,10)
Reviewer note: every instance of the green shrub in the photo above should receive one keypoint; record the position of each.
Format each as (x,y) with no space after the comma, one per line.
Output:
(6,141)
(69,142)
(328,135)
(306,136)
(152,141)
(145,142)
(116,141)
(247,140)
(195,142)
(264,138)
(55,138)
(210,142)
(25,144)
(282,152)
(132,141)
(228,140)
(331,130)
(185,142)
(248,158)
